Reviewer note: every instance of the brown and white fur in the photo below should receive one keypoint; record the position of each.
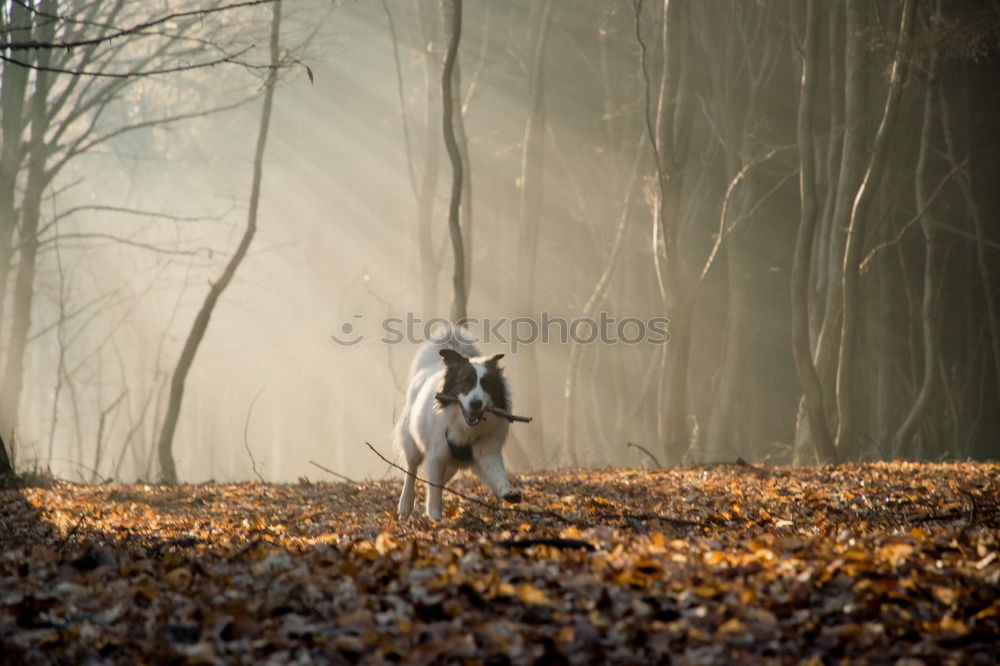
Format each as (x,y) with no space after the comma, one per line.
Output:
(453,436)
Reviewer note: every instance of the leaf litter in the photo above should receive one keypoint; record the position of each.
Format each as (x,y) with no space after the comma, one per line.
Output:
(865,563)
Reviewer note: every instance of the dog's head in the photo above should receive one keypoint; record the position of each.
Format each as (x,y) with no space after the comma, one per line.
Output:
(477,383)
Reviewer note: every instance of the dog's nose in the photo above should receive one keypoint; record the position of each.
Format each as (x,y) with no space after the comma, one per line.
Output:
(476,404)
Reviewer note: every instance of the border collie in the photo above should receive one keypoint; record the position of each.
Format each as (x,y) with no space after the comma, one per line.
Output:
(454,435)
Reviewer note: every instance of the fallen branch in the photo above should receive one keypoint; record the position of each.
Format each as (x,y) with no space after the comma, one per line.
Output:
(330,471)
(740,462)
(183,541)
(444,397)
(646,451)
(552,542)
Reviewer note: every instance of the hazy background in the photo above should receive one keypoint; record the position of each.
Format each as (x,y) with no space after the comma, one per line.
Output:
(338,236)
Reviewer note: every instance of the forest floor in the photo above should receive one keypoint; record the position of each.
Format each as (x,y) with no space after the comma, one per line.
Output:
(893,563)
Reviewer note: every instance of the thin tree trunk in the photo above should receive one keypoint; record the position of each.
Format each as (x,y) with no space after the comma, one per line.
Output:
(854,148)
(465,213)
(982,263)
(928,324)
(667,134)
(459,297)
(168,468)
(61,363)
(834,148)
(530,214)
(854,249)
(801,347)
(597,295)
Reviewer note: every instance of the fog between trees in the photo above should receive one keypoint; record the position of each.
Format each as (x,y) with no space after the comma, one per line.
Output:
(806,190)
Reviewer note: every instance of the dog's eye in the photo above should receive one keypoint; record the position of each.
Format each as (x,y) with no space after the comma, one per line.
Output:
(468,380)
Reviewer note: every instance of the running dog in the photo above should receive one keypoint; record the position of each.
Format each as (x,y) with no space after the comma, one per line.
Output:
(452,435)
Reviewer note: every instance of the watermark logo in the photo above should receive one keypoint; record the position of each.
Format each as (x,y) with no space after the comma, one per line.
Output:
(515,332)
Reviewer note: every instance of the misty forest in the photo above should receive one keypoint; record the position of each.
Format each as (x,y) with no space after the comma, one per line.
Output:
(741,258)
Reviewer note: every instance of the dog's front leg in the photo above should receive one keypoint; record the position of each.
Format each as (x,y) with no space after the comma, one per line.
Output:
(435,477)
(406,497)
(491,470)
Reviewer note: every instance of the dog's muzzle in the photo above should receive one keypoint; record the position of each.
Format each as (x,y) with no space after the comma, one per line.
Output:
(472,418)
(473,415)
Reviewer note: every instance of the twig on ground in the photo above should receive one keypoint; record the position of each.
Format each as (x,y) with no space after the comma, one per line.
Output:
(741,462)
(646,451)
(553,542)
(183,541)
(444,397)
(676,522)
(330,471)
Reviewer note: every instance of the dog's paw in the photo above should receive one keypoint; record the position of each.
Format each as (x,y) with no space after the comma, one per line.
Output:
(512,496)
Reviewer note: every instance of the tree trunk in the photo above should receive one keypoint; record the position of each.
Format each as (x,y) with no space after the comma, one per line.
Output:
(37,179)
(7,473)
(854,147)
(854,248)
(459,297)
(801,347)
(668,134)
(168,468)
(465,212)
(13,87)
(530,214)
(928,318)
(982,262)
(597,295)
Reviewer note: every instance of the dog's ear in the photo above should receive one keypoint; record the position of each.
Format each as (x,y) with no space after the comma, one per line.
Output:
(452,358)
(494,360)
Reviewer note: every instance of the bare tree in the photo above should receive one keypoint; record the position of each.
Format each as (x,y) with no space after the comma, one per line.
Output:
(530,209)
(459,298)
(932,268)
(854,248)
(821,437)
(168,468)
(668,136)
(37,179)
(50,119)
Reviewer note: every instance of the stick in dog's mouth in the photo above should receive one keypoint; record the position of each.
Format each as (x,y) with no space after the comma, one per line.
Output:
(444,397)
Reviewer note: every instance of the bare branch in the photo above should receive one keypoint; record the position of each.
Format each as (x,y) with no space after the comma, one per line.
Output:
(644,450)
(128,241)
(138,28)
(233,59)
(913,220)
(330,471)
